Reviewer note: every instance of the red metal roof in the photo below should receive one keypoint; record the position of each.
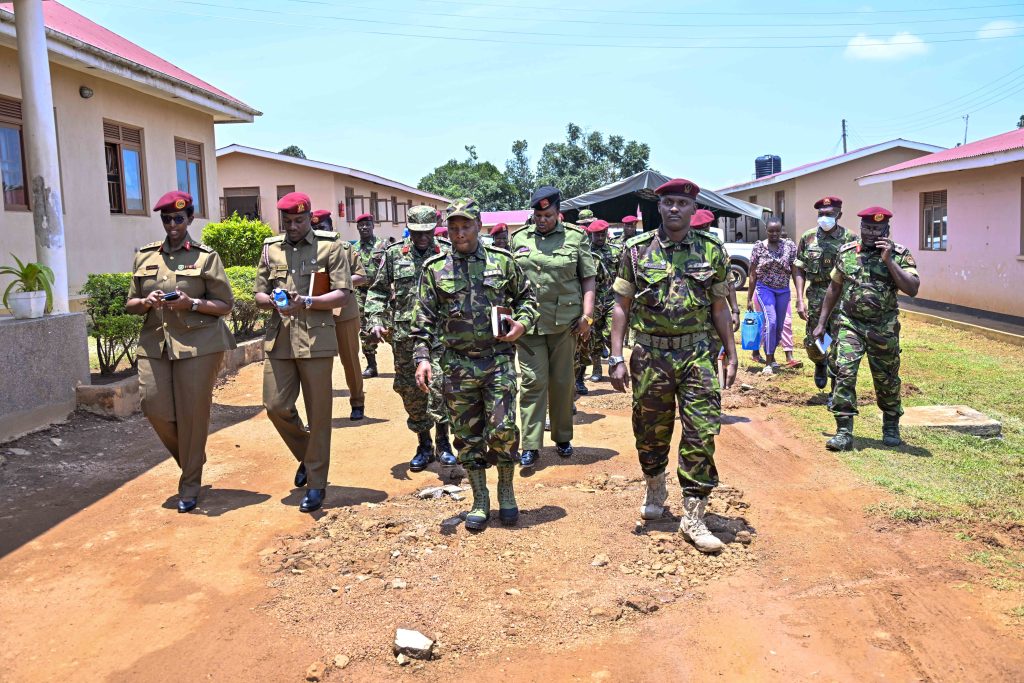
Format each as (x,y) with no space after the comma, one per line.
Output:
(63,20)
(511,217)
(997,143)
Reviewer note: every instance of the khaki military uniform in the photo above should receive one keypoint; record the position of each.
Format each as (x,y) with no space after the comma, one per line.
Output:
(346,329)
(300,350)
(180,352)
(555,263)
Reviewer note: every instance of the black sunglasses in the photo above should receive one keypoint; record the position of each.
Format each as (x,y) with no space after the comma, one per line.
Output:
(177,219)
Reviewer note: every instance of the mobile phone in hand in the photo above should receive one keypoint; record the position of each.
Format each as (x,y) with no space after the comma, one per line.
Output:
(172,296)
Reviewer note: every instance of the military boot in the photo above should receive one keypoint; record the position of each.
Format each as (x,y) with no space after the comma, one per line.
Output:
(508,508)
(820,375)
(843,440)
(371,366)
(444,446)
(654,500)
(891,430)
(477,517)
(424,453)
(693,527)
(581,388)
(595,375)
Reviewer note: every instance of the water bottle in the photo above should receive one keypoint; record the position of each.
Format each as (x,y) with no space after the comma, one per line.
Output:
(280,297)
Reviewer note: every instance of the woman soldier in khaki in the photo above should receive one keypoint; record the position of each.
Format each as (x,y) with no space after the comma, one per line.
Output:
(181,288)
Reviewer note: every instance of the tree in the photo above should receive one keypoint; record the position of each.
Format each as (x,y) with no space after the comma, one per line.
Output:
(471,178)
(293,151)
(586,161)
(1020,122)
(519,175)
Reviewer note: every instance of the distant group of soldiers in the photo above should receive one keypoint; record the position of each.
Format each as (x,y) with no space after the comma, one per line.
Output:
(474,326)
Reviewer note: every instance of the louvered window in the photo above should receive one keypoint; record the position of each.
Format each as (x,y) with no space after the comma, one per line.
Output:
(934,216)
(126,172)
(188,160)
(12,156)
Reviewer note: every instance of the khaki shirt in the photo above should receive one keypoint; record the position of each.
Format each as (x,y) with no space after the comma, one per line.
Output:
(195,269)
(310,333)
(556,264)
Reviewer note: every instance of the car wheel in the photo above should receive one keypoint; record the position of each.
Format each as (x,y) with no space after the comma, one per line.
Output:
(738,275)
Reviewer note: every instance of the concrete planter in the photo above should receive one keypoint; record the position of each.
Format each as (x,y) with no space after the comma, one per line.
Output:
(27,305)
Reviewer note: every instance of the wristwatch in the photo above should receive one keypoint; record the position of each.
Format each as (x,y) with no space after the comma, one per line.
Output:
(590,321)
(615,360)
(195,304)
(307,301)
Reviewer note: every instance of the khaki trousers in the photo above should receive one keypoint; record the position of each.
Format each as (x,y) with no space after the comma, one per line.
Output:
(176,399)
(283,378)
(548,383)
(347,332)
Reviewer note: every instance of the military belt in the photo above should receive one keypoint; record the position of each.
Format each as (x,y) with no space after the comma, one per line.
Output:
(682,341)
(484,352)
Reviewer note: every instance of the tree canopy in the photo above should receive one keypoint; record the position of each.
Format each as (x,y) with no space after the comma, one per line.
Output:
(293,151)
(471,178)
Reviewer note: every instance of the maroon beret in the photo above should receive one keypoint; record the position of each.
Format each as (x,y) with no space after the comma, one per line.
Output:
(294,202)
(828,201)
(319,215)
(681,186)
(596,226)
(440,231)
(364,217)
(630,219)
(875,214)
(499,228)
(174,201)
(701,218)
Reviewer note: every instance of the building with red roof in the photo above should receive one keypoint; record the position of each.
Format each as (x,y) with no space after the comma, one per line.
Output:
(130,127)
(961,212)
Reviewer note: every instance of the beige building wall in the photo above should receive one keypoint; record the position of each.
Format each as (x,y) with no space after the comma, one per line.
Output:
(97,241)
(326,190)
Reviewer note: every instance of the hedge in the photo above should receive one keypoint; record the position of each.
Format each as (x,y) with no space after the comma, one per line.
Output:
(115,331)
(239,241)
(245,317)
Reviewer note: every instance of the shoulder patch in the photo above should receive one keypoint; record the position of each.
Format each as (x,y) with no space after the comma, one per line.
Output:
(497,250)
(436,258)
(640,239)
(151,246)
(327,235)
(275,239)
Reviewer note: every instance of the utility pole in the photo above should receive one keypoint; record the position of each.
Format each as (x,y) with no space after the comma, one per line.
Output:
(41,145)
(967,118)
(844,136)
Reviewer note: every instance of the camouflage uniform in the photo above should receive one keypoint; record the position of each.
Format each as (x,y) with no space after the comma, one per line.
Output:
(607,260)
(672,285)
(389,303)
(868,323)
(371,254)
(817,254)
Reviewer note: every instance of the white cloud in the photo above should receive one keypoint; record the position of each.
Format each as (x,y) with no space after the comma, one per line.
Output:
(899,46)
(1001,28)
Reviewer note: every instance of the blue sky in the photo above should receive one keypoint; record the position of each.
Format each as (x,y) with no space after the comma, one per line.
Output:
(397,87)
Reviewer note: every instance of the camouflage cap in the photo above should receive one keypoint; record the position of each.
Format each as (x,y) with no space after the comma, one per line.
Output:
(586,216)
(422,218)
(465,207)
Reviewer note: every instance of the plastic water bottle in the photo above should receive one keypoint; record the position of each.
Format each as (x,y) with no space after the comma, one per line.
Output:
(280,297)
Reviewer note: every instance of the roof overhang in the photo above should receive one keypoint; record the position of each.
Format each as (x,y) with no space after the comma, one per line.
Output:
(75,54)
(984,161)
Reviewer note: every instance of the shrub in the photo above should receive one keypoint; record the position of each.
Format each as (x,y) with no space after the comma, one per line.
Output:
(116,332)
(239,241)
(245,317)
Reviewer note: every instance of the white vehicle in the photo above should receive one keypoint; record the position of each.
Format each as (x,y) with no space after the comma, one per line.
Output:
(739,259)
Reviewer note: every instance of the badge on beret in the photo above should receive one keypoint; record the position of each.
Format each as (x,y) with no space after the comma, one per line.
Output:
(315,220)
(300,207)
(826,202)
(544,203)
(181,266)
(179,204)
(879,217)
(687,188)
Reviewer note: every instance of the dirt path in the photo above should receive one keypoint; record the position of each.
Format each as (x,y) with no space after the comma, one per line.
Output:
(100,579)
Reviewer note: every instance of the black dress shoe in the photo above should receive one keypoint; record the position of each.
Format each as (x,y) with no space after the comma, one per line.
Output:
(564,449)
(313,500)
(370,372)
(529,458)
(820,375)
(300,476)
(357,413)
(186,504)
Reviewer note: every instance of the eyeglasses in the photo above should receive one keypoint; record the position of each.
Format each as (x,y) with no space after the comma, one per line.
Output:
(177,219)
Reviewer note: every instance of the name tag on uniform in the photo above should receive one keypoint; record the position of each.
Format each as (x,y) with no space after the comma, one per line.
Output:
(153,267)
(697,266)
(491,273)
(655,266)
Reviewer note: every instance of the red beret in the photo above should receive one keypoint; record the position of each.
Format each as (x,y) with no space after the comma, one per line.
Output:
(174,201)
(875,214)
(682,186)
(828,201)
(440,231)
(498,228)
(630,219)
(364,217)
(319,215)
(596,226)
(701,218)
(294,202)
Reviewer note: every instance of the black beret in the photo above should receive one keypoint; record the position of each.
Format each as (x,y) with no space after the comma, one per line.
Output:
(545,196)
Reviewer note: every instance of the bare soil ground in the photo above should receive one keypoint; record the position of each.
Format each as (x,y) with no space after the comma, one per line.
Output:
(101,579)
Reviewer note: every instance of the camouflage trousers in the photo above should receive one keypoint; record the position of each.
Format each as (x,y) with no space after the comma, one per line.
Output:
(480,394)
(814,298)
(368,342)
(881,342)
(424,410)
(661,380)
(599,340)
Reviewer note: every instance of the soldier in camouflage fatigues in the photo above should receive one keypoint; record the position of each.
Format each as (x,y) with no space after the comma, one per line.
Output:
(669,282)
(702,220)
(371,252)
(606,258)
(397,281)
(869,274)
(453,321)
(816,256)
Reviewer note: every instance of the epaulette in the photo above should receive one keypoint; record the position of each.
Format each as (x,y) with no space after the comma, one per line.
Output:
(436,257)
(899,248)
(151,246)
(573,226)
(202,247)
(392,246)
(849,245)
(639,239)
(444,240)
(327,234)
(503,252)
(710,236)
(275,239)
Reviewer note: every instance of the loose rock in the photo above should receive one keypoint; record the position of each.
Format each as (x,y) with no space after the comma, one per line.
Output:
(413,644)
(315,672)
(600,561)
(341,661)
(18,451)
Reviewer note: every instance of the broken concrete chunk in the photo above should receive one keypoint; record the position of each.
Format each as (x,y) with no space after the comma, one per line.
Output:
(413,644)
(964,419)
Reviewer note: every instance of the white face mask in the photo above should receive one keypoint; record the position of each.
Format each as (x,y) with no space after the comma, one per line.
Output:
(826,222)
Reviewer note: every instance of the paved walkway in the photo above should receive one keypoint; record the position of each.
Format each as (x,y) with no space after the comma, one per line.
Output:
(993,321)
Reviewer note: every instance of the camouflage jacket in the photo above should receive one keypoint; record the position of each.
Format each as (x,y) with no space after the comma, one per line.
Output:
(607,261)
(371,255)
(869,292)
(456,294)
(672,284)
(392,296)
(817,252)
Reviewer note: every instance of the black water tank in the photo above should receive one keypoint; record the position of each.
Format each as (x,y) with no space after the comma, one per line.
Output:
(767,165)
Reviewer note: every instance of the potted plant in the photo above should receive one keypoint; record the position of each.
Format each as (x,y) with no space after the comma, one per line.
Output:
(31,293)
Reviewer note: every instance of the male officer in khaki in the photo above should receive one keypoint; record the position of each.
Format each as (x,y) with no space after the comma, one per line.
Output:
(346,321)
(300,342)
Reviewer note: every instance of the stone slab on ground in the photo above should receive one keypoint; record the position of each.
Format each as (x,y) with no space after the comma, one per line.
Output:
(959,418)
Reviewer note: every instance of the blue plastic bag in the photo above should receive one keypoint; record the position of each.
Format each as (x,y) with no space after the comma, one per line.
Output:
(752,330)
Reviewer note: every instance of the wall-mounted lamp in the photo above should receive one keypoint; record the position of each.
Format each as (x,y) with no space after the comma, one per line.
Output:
(85,91)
